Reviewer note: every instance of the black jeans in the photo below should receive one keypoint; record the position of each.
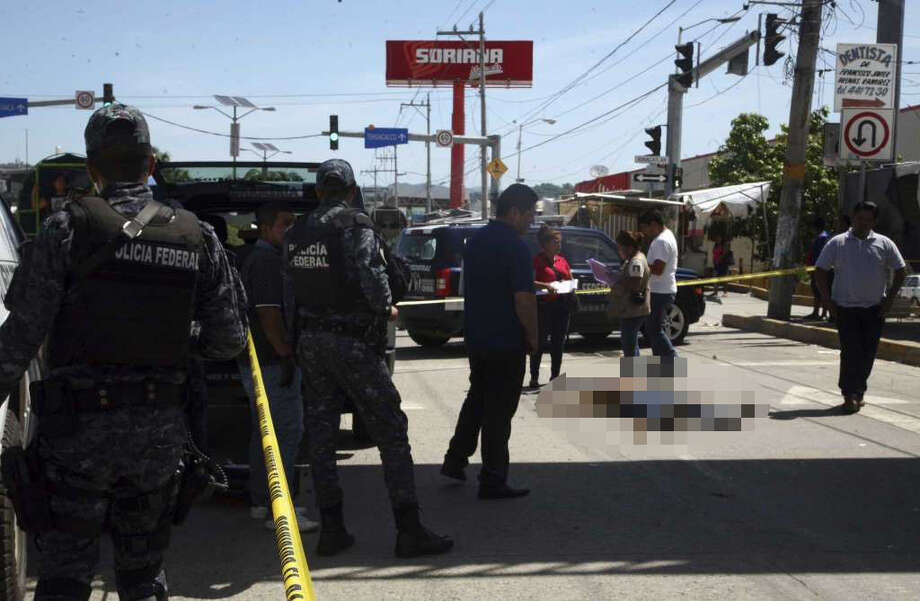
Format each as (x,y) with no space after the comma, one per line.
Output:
(553,323)
(496,379)
(860,330)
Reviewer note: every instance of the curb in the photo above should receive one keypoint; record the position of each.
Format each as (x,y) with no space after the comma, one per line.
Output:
(901,351)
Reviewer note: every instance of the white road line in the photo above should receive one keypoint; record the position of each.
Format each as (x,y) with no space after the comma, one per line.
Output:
(799,395)
(782,363)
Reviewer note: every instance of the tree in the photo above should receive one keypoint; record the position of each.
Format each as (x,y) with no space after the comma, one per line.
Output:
(553,190)
(747,156)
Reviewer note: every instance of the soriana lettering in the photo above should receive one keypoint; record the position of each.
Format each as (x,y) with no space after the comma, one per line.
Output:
(441,63)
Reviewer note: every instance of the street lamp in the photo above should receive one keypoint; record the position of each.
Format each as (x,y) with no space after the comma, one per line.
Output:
(520,131)
(235,102)
(723,21)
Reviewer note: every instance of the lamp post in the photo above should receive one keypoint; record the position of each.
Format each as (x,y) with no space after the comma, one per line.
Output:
(520,131)
(723,21)
(235,102)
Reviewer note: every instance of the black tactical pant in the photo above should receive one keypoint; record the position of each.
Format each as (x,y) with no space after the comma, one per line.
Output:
(117,469)
(553,324)
(337,365)
(495,390)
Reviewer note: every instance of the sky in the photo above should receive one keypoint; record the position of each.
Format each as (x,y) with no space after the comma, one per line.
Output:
(312,58)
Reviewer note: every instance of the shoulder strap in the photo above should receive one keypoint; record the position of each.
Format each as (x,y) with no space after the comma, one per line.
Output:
(131,229)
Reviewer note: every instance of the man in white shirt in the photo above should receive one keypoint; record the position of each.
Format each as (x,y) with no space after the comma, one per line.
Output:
(662,260)
(861,260)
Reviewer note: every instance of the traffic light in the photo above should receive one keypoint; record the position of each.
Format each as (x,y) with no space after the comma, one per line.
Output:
(333,132)
(677,176)
(772,40)
(685,64)
(655,143)
(107,96)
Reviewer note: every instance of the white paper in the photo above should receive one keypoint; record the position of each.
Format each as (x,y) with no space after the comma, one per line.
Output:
(560,287)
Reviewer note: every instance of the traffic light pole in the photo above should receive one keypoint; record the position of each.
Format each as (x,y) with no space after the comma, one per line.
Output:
(676,93)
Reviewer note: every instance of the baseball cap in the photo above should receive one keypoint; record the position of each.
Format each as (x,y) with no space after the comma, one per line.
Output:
(332,170)
(117,128)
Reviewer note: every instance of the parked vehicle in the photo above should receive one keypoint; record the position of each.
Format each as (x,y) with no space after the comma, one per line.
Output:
(435,253)
(911,290)
(16,425)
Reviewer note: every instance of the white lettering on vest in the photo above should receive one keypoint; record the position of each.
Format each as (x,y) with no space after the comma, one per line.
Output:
(161,256)
(314,256)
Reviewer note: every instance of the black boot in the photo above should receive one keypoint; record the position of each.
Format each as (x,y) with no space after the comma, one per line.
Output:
(145,584)
(413,539)
(61,589)
(333,538)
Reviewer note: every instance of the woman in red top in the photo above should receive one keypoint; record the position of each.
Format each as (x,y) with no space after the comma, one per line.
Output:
(552,309)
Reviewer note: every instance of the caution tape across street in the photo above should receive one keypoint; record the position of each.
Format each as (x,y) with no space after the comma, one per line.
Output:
(298,585)
(698,282)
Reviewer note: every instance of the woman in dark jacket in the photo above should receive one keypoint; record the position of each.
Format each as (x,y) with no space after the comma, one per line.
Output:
(552,309)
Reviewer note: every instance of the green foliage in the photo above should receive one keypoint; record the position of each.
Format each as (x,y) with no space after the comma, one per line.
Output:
(552,190)
(747,156)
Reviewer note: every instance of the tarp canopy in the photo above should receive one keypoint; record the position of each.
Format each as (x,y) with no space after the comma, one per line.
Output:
(739,199)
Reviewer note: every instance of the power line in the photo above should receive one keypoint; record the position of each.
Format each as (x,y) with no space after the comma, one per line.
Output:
(214,133)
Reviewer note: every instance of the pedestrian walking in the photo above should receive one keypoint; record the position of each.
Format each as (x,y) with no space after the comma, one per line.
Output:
(111,286)
(662,259)
(553,310)
(500,329)
(722,259)
(337,293)
(862,260)
(261,275)
(817,245)
(630,299)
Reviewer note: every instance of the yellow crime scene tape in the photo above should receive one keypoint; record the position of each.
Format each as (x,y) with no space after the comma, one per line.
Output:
(699,282)
(298,585)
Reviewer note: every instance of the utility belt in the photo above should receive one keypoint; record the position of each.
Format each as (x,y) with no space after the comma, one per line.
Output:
(370,328)
(57,403)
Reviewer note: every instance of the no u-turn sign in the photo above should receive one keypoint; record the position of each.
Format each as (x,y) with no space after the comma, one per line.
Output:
(867,134)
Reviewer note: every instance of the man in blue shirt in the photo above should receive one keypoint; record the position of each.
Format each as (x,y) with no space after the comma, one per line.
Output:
(859,301)
(500,327)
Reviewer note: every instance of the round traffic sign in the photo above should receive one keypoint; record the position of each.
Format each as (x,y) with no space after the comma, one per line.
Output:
(444,137)
(866,133)
(85,100)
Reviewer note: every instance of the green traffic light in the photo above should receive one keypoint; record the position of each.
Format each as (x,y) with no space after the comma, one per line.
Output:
(334,137)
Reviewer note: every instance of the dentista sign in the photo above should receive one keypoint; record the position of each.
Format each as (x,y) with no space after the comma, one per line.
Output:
(442,62)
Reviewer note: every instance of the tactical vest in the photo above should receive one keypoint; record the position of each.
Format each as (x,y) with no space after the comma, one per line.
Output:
(316,264)
(136,307)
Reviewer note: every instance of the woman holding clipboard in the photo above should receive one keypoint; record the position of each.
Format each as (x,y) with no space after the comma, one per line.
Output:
(629,295)
(552,309)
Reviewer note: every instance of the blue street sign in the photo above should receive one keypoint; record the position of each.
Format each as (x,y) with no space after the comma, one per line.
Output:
(11,107)
(379,137)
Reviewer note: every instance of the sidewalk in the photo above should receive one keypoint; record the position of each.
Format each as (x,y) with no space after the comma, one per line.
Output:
(746,312)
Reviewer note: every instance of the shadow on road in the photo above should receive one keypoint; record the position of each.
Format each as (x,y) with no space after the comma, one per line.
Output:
(648,517)
(796,413)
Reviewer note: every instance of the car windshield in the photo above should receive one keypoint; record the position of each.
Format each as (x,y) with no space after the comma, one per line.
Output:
(578,248)
(418,247)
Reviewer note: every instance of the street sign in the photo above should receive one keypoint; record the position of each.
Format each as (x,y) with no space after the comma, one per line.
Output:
(651,159)
(496,167)
(84,100)
(866,135)
(444,137)
(378,137)
(658,178)
(12,107)
(865,74)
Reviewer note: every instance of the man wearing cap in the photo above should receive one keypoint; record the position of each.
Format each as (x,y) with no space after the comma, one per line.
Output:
(113,300)
(338,299)
(500,328)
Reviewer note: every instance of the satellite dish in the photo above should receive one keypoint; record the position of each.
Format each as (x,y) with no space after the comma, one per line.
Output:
(599,171)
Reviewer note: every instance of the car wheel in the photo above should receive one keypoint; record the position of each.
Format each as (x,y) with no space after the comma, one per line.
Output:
(12,539)
(428,340)
(676,324)
(595,337)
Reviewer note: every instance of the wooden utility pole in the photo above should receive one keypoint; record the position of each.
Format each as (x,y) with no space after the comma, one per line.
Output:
(786,251)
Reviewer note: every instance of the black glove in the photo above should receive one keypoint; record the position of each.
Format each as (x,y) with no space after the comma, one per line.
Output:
(287,371)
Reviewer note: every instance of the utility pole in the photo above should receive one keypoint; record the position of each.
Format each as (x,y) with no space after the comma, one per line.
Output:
(786,250)
(890,30)
(482,99)
(427,105)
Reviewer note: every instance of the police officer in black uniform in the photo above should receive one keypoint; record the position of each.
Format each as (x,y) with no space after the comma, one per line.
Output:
(338,299)
(113,300)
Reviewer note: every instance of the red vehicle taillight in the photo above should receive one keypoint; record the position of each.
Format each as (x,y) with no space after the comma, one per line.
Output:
(442,283)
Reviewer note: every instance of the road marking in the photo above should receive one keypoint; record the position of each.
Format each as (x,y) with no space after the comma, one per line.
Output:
(782,363)
(410,407)
(798,395)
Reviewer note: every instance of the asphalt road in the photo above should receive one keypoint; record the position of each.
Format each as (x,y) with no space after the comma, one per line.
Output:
(808,504)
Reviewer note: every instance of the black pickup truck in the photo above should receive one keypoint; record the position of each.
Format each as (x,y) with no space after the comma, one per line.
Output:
(229,193)
(434,253)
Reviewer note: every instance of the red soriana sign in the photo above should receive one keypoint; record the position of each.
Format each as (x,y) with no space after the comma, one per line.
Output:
(608,183)
(442,62)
